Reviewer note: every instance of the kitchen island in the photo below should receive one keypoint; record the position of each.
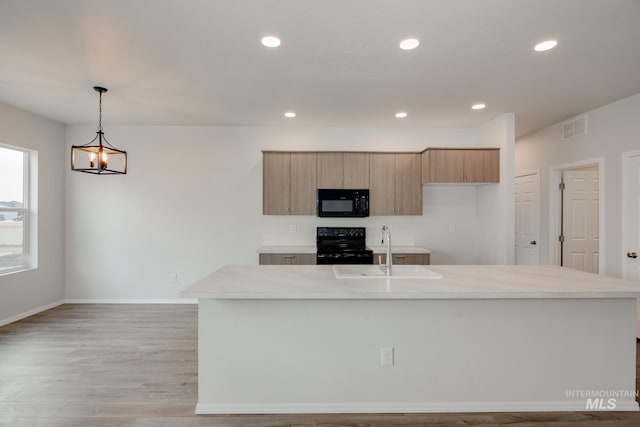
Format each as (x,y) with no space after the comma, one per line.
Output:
(283,339)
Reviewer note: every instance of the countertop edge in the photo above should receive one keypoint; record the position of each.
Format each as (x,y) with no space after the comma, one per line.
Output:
(311,249)
(410,296)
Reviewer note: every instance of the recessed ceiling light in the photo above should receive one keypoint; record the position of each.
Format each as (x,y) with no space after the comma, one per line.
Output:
(409,44)
(271,41)
(401,115)
(478,106)
(546,45)
(290,114)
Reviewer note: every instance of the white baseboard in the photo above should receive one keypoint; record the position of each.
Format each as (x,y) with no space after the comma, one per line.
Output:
(30,313)
(130,301)
(398,407)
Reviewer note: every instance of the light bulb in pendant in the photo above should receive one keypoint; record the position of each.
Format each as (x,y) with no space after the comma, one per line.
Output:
(103,159)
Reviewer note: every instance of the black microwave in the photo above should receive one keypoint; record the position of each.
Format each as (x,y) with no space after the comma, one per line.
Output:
(343,203)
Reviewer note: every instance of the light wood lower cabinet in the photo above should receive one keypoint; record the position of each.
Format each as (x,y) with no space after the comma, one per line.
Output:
(403,259)
(287,259)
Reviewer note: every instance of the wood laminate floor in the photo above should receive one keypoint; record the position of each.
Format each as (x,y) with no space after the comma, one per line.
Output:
(136,365)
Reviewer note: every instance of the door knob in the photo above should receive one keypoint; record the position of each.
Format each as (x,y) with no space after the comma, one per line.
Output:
(533,242)
(632,254)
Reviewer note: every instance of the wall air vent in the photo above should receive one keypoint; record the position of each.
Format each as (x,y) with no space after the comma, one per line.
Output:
(574,127)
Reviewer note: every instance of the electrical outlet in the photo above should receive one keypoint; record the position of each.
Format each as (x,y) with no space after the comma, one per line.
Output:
(386,356)
(452,228)
(173,277)
(293,228)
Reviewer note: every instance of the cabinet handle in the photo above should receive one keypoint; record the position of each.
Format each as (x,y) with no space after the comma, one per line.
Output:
(288,256)
(402,256)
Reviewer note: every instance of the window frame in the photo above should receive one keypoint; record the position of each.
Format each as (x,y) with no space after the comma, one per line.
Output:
(26,257)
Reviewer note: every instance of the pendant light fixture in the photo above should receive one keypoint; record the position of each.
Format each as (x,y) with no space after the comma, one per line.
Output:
(98,156)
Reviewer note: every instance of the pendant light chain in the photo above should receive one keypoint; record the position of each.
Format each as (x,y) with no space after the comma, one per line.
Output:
(100,113)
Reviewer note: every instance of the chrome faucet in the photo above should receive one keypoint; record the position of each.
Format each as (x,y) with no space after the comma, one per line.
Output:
(386,236)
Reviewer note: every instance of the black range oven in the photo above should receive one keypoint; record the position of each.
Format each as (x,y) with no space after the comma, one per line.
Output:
(342,245)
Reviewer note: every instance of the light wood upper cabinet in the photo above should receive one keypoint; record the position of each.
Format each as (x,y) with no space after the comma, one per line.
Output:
(289,183)
(330,170)
(461,165)
(303,183)
(394,180)
(276,183)
(382,184)
(408,184)
(343,170)
(491,165)
(444,166)
(356,171)
(395,186)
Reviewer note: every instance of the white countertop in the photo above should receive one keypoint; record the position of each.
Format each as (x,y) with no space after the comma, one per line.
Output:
(311,249)
(458,282)
(380,249)
(287,249)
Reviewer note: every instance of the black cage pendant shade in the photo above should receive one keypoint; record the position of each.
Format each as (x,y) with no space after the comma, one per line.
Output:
(98,156)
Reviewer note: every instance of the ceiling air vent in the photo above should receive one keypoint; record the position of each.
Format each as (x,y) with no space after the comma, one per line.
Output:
(574,127)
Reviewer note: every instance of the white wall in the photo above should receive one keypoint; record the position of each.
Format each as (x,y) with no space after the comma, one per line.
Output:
(25,292)
(496,204)
(612,130)
(192,202)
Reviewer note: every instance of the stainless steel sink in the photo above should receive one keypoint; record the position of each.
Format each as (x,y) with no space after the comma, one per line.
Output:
(375,272)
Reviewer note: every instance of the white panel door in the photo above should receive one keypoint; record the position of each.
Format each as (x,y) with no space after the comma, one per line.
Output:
(632,219)
(631,238)
(580,220)
(527,197)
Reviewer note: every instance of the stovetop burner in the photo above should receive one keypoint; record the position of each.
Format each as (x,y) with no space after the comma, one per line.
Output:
(342,245)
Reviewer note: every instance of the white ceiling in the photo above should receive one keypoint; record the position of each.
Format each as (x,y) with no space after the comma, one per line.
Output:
(200,62)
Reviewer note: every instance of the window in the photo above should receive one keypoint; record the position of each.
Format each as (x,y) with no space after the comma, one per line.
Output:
(14,209)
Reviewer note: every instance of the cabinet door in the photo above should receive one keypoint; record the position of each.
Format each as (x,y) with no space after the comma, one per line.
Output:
(287,259)
(278,259)
(408,200)
(446,165)
(306,259)
(330,170)
(276,183)
(420,259)
(382,185)
(303,183)
(356,170)
(491,165)
(404,259)
(473,166)
(481,165)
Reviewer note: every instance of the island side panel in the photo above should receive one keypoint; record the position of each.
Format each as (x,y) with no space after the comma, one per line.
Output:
(279,356)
